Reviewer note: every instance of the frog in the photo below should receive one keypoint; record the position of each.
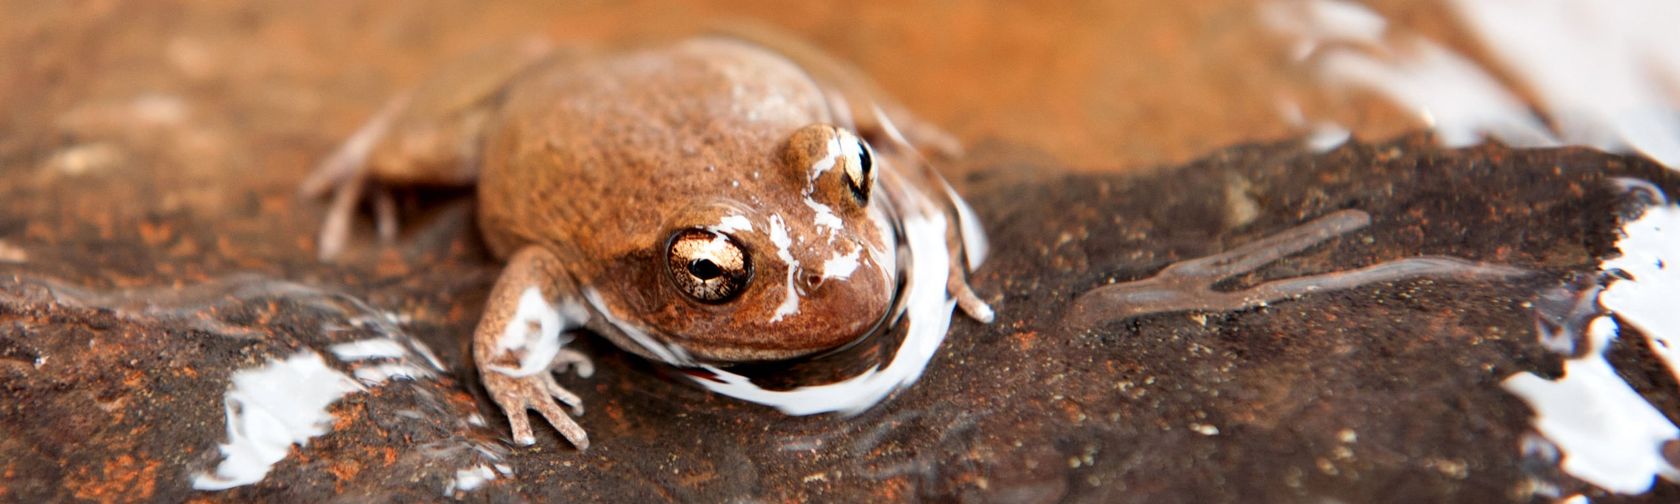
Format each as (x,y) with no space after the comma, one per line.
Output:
(702,201)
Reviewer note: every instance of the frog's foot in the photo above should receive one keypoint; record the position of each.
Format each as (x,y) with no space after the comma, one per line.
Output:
(520,343)
(335,228)
(1188,285)
(517,395)
(966,242)
(351,157)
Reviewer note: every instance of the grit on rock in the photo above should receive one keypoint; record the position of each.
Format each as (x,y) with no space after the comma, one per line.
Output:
(120,334)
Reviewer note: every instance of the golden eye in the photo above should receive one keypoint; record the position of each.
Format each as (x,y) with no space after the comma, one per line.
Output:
(707,266)
(860,167)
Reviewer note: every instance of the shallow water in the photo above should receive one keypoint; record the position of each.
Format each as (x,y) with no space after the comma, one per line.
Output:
(152,145)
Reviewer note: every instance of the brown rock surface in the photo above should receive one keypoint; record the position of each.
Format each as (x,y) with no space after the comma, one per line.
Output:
(1387,392)
(151,146)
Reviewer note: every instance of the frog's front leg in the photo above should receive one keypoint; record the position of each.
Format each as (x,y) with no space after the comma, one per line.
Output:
(518,344)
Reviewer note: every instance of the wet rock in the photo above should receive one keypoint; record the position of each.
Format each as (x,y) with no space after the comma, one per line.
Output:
(123,338)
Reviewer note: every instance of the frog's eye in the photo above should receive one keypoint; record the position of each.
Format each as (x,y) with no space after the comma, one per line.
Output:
(707,266)
(860,167)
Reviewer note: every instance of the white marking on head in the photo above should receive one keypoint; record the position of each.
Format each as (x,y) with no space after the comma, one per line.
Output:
(831,156)
(732,224)
(670,354)
(889,128)
(779,236)
(825,217)
(840,266)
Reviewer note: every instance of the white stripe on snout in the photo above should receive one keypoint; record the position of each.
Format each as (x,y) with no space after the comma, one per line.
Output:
(779,236)
(840,267)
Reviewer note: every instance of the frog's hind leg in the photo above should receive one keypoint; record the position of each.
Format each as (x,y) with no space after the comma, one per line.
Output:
(964,241)
(345,173)
(967,243)
(430,135)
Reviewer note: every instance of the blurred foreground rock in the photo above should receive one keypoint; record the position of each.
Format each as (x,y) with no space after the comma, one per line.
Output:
(121,328)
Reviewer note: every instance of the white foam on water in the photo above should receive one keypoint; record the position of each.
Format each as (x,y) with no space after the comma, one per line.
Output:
(1610,436)
(269,409)
(1604,74)
(1312,23)
(1650,300)
(376,374)
(1460,101)
(471,478)
(1604,71)
(372,348)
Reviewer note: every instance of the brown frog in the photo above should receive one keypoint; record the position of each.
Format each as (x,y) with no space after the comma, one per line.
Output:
(701,202)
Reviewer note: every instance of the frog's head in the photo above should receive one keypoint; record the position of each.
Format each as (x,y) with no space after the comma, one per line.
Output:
(808,265)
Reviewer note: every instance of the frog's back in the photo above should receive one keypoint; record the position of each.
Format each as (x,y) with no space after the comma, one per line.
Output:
(592,154)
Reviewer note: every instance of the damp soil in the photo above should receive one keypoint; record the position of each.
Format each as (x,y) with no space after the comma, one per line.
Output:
(1384,393)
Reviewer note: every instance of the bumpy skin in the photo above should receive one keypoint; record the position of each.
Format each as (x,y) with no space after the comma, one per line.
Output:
(601,159)
(587,162)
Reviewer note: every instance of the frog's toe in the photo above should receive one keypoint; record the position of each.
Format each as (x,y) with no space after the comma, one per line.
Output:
(385,214)
(573,358)
(565,396)
(335,229)
(516,396)
(561,422)
(976,309)
(345,174)
(970,302)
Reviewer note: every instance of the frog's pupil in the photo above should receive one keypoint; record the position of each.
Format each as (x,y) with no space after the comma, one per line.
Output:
(704,269)
(864,161)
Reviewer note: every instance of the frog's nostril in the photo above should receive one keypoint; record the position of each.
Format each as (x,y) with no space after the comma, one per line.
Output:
(811,282)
